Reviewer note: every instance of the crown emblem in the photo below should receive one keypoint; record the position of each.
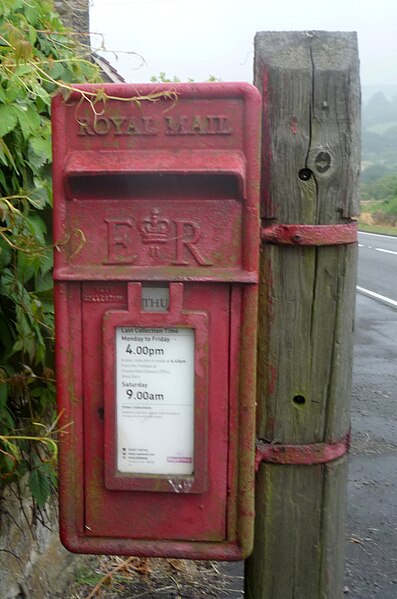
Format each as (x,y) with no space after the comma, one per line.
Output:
(154,229)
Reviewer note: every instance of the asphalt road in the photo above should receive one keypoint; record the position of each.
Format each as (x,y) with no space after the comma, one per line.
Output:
(377,264)
(371,529)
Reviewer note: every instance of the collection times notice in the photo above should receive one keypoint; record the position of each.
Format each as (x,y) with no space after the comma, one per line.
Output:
(155,400)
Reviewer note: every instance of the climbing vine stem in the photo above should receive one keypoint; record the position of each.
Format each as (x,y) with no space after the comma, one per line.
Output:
(38,57)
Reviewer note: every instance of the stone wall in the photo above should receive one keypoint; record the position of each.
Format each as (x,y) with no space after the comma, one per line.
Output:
(33,563)
(75,14)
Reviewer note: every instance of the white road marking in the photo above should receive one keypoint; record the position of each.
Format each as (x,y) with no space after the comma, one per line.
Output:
(386,251)
(360,245)
(377,296)
(377,235)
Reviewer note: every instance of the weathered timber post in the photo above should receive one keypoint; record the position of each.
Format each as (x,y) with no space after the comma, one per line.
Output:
(310,163)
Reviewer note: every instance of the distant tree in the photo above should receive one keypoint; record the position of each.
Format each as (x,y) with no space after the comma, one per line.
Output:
(374,172)
(163,78)
(390,136)
(377,110)
(372,144)
(381,189)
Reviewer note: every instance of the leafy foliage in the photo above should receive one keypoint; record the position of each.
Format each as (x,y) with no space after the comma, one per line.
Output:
(379,135)
(37,56)
(383,212)
(163,78)
(381,188)
(379,152)
(378,109)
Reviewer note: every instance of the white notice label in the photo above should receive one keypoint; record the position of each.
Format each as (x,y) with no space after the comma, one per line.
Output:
(155,400)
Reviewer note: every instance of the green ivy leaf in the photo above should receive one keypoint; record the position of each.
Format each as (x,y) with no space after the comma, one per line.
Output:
(32,16)
(5,254)
(8,119)
(32,33)
(18,345)
(58,71)
(15,90)
(29,120)
(7,283)
(3,157)
(23,468)
(7,6)
(39,151)
(36,226)
(43,95)
(3,95)
(4,183)
(12,448)
(3,397)
(38,197)
(26,268)
(46,296)
(6,155)
(23,70)
(6,331)
(40,486)
(7,464)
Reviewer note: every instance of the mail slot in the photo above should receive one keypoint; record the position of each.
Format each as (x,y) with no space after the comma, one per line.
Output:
(156,236)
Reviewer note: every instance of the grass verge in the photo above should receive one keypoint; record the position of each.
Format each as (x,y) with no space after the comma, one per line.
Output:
(380,229)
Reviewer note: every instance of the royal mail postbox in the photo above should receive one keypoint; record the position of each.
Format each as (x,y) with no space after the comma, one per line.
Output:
(156,266)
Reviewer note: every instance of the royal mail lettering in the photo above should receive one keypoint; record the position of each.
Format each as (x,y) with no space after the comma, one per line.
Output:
(198,125)
(117,125)
(180,239)
(187,236)
(120,243)
(146,125)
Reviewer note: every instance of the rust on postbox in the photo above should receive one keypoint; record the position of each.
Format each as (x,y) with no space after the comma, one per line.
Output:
(156,233)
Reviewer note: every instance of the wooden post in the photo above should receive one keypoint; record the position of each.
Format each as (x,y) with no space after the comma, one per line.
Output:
(310,163)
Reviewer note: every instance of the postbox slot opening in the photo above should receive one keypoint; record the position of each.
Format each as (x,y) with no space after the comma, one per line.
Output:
(149,185)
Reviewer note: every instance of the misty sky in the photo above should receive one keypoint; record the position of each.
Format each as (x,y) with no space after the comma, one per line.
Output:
(215,37)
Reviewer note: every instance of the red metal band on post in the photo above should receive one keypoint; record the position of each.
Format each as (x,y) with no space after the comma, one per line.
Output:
(310,234)
(307,455)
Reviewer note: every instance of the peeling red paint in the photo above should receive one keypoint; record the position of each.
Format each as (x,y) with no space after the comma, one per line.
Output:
(315,453)
(310,234)
(294,125)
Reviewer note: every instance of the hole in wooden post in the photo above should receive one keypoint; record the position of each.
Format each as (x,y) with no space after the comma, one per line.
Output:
(305,174)
(299,400)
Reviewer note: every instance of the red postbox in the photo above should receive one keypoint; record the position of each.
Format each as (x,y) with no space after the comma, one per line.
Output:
(156,232)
